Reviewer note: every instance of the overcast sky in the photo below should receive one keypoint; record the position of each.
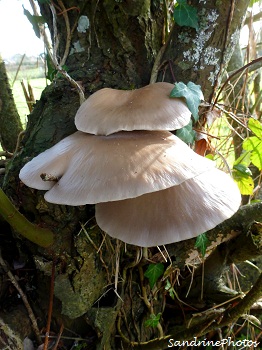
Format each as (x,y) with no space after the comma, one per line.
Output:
(16,33)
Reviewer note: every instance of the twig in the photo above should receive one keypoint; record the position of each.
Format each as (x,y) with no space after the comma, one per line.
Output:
(23,297)
(245,304)
(59,336)
(68,32)
(146,301)
(18,69)
(6,154)
(27,97)
(53,55)
(19,139)
(156,66)
(235,73)
(50,308)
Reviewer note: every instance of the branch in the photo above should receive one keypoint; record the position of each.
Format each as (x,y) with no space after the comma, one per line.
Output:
(238,223)
(244,246)
(41,236)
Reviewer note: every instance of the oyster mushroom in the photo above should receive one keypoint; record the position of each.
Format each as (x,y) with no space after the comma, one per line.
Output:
(88,169)
(149,108)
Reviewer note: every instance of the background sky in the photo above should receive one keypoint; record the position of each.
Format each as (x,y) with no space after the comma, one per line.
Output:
(16,32)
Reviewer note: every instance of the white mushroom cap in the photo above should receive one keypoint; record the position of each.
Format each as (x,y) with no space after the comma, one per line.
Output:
(93,169)
(174,214)
(150,108)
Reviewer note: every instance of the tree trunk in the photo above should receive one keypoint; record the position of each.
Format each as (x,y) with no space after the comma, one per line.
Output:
(203,55)
(9,119)
(100,289)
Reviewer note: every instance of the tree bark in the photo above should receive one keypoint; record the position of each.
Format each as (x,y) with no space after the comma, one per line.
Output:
(203,55)
(9,118)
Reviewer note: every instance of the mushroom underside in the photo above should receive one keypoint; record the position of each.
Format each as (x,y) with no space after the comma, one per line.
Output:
(92,169)
(174,214)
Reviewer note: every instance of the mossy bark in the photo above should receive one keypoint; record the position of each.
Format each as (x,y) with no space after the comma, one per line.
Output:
(10,124)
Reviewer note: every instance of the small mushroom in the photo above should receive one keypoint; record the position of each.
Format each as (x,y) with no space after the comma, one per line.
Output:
(108,111)
(87,169)
(174,214)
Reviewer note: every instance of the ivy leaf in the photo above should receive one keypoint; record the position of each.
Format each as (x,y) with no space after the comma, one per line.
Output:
(153,320)
(242,169)
(51,71)
(244,181)
(256,127)
(242,174)
(185,15)
(170,289)
(201,243)
(186,134)
(192,93)
(35,21)
(153,272)
(254,144)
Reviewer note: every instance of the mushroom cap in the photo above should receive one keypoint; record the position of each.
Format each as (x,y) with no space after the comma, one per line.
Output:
(108,111)
(174,214)
(93,169)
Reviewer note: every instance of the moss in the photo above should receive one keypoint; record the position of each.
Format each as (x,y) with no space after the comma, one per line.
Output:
(81,289)
(9,118)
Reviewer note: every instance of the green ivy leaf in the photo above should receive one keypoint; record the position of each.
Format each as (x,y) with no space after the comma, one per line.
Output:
(186,134)
(153,272)
(35,21)
(256,127)
(242,169)
(244,181)
(254,144)
(185,15)
(170,289)
(51,71)
(201,243)
(153,320)
(192,93)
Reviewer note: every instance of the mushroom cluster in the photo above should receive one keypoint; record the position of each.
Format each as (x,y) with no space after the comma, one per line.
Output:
(149,188)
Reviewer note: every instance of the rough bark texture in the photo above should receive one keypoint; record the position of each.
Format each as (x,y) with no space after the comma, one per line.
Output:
(10,124)
(118,49)
(203,55)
